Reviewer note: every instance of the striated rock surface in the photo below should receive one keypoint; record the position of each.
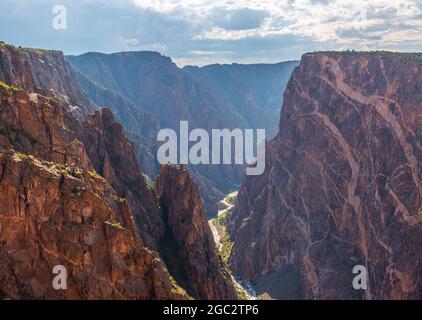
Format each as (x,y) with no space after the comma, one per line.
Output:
(188,238)
(342,185)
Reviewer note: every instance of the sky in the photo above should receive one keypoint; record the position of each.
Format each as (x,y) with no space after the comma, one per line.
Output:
(200,32)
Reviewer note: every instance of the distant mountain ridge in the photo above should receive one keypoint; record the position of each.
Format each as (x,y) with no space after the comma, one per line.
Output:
(254,90)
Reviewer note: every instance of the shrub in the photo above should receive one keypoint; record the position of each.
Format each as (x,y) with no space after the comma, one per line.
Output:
(95,175)
(116,224)
(4,86)
(77,190)
(10,89)
(150,185)
(21,155)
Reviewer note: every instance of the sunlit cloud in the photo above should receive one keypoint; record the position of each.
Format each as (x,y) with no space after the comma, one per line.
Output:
(207,31)
(321,20)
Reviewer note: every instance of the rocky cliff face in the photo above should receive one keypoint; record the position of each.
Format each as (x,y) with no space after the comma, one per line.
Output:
(44,72)
(72,194)
(342,185)
(49,218)
(188,238)
(113,157)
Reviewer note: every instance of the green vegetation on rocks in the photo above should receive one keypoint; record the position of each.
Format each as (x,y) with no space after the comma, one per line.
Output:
(21,155)
(95,175)
(150,185)
(116,225)
(77,191)
(10,89)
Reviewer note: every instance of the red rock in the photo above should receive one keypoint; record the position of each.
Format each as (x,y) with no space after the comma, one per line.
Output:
(43,223)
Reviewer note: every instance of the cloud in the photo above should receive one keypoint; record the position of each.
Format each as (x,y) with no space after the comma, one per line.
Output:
(353,33)
(238,19)
(130,42)
(322,2)
(205,31)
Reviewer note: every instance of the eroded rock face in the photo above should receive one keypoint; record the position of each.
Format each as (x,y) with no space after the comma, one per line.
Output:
(49,218)
(56,210)
(43,127)
(342,185)
(39,125)
(192,258)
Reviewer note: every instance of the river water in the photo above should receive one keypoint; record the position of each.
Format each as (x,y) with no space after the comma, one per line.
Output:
(218,232)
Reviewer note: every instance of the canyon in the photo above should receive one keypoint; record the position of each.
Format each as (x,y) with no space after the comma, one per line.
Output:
(80,185)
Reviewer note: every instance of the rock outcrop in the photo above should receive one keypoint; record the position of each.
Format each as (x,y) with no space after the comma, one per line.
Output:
(51,217)
(188,238)
(342,185)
